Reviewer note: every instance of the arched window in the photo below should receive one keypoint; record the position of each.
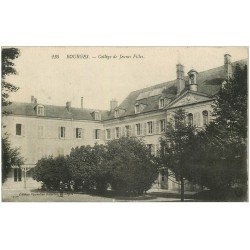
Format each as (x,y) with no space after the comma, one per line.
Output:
(205,117)
(190,119)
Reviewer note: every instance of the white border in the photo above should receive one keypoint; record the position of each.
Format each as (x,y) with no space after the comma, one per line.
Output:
(124,225)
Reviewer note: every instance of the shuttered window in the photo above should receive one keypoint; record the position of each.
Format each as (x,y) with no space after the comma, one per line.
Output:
(78,133)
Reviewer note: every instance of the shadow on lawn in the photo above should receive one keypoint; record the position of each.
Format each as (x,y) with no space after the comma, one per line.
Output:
(121,197)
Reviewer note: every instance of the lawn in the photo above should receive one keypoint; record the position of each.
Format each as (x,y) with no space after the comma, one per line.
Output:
(41,196)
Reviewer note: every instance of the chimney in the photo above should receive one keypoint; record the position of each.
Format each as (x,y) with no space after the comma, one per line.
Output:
(113,104)
(81,102)
(32,99)
(228,66)
(180,78)
(68,105)
(192,74)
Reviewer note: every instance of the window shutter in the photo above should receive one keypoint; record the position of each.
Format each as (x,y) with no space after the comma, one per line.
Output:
(157,127)
(130,129)
(198,119)
(145,128)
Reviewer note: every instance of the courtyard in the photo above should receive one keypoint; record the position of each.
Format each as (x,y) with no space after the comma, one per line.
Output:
(36,195)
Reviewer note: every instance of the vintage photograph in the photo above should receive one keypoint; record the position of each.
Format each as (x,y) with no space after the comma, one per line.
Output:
(115,124)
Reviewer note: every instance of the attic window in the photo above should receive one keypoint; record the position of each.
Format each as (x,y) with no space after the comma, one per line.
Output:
(161,103)
(137,108)
(40,110)
(97,116)
(116,113)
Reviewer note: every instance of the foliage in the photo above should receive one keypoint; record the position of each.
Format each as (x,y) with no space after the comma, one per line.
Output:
(8,55)
(87,167)
(177,146)
(10,157)
(133,169)
(219,161)
(51,171)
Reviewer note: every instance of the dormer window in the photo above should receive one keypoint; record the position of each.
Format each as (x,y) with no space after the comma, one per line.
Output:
(40,110)
(137,108)
(97,115)
(116,113)
(161,103)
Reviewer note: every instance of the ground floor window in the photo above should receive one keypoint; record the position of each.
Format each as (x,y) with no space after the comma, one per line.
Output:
(17,174)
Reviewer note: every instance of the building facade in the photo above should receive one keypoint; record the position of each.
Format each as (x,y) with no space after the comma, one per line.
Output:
(41,130)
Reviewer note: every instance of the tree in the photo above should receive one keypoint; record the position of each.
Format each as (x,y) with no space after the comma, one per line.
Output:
(51,171)
(8,55)
(88,169)
(133,168)
(177,146)
(220,162)
(10,157)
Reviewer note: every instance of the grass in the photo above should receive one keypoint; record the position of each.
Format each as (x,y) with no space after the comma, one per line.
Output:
(42,196)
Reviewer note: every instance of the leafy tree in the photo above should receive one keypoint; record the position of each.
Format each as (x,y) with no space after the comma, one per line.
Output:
(8,55)
(10,157)
(133,169)
(177,146)
(88,169)
(51,171)
(220,159)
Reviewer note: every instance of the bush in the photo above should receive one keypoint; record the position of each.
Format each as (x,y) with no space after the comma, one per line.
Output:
(132,167)
(88,169)
(51,171)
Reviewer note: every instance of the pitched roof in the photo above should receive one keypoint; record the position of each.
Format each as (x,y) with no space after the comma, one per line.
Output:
(209,83)
(51,111)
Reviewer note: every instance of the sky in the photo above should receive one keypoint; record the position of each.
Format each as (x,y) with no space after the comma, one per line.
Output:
(104,73)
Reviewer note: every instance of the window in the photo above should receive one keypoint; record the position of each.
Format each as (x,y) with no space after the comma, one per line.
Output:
(116,113)
(108,134)
(190,119)
(40,110)
(162,125)
(137,108)
(62,132)
(127,131)
(205,117)
(150,127)
(18,129)
(78,133)
(117,132)
(97,116)
(17,174)
(138,129)
(97,134)
(161,103)
(40,131)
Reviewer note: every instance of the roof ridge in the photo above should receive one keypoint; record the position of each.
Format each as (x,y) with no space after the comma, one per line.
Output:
(52,105)
(207,70)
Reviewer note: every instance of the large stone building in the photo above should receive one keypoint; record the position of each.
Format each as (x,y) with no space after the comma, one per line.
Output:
(41,130)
